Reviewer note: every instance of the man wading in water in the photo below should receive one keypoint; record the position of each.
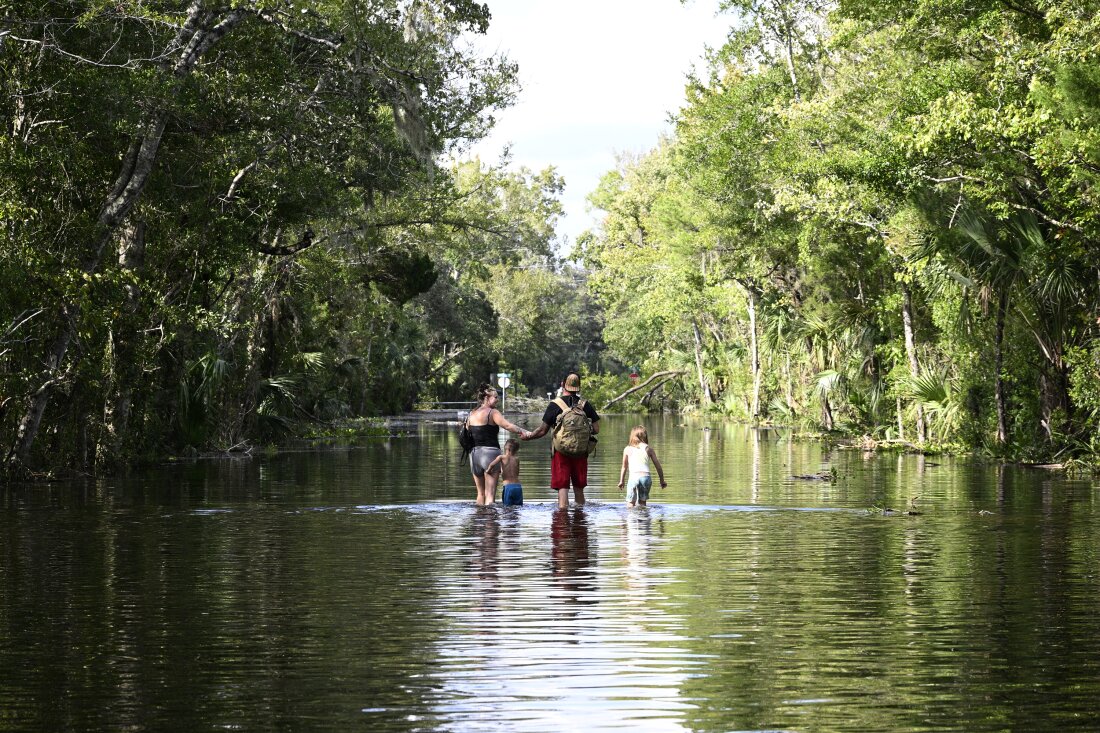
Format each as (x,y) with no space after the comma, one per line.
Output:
(574,423)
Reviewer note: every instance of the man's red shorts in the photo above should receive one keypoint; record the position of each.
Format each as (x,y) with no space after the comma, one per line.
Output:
(564,469)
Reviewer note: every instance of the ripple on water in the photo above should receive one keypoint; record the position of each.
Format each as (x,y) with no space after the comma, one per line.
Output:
(333,591)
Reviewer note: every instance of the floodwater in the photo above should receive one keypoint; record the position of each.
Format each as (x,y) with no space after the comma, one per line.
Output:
(359,588)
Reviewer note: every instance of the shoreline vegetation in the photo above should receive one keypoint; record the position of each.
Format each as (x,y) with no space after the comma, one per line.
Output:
(875,222)
(337,435)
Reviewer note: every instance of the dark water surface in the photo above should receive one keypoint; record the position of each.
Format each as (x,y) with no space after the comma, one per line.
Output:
(360,589)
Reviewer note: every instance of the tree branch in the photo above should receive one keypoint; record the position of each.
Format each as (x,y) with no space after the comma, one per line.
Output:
(1029,12)
(1047,219)
(650,393)
(330,44)
(304,243)
(450,357)
(19,320)
(667,374)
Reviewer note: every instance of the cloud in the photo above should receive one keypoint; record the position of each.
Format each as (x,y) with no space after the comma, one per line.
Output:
(598,77)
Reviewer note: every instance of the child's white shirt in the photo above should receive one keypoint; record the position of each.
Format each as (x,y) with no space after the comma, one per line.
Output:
(637,457)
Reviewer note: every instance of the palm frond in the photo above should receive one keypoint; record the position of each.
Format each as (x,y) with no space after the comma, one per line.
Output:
(311,361)
(282,388)
(827,381)
(1060,282)
(940,399)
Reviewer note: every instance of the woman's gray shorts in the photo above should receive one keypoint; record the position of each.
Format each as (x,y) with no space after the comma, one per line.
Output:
(480,458)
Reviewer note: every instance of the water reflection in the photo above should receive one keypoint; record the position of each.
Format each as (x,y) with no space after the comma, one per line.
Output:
(483,528)
(572,555)
(353,589)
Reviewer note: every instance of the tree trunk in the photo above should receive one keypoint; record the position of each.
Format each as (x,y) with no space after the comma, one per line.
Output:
(787,39)
(124,369)
(754,352)
(911,352)
(703,386)
(1054,394)
(36,406)
(999,389)
(137,166)
(272,321)
(901,421)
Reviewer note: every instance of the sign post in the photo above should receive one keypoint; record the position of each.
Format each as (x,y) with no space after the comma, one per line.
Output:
(504,380)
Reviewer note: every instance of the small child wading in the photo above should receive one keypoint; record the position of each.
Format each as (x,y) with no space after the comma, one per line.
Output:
(509,464)
(637,456)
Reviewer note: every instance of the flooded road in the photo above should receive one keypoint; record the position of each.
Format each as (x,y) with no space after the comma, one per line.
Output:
(360,589)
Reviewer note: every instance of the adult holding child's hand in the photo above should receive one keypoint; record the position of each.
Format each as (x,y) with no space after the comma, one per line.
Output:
(574,424)
(485,422)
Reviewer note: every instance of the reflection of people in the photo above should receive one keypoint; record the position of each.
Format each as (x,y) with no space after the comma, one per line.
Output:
(570,546)
(637,527)
(509,473)
(484,531)
(485,422)
(566,469)
(637,543)
(636,458)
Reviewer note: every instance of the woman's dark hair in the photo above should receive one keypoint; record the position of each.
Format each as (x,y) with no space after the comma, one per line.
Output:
(484,390)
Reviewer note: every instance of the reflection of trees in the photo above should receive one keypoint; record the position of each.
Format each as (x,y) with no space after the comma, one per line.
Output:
(855,621)
(265,615)
(132,611)
(755,483)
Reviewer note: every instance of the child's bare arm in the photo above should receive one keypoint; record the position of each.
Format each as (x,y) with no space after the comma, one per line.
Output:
(657,465)
(622,469)
(496,461)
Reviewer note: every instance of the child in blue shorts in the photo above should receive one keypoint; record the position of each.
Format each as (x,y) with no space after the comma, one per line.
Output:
(509,464)
(637,456)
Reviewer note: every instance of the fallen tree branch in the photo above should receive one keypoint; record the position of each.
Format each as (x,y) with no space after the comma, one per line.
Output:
(668,374)
(650,393)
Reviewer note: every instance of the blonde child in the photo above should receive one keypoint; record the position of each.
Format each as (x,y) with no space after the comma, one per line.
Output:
(509,464)
(637,456)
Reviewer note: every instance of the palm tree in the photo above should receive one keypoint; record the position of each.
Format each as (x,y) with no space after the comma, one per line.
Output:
(995,253)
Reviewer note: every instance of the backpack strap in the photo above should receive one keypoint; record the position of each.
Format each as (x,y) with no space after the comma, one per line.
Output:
(564,407)
(561,415)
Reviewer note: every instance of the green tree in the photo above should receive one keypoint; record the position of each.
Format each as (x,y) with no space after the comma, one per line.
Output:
(169,164)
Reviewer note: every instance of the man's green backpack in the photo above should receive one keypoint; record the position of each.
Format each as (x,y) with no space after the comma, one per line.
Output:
(573,430)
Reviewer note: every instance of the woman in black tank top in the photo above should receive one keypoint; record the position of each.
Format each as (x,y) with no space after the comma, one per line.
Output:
(485,422)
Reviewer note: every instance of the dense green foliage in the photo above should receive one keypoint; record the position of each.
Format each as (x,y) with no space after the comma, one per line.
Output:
(880,217)
(224,221)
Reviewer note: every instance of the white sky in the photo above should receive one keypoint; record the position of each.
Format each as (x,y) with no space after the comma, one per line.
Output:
(598,77)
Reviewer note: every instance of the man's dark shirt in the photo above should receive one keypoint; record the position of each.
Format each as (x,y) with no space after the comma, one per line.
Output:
(570,398)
